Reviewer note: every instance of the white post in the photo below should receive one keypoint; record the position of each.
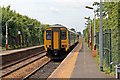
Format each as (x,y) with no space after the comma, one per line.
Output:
(6,36)
(6,24)
(116,72)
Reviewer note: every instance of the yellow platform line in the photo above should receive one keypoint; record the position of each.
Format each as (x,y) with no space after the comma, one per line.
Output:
(65,69)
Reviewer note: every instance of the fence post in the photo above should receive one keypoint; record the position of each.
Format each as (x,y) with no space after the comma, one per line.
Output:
(110,52)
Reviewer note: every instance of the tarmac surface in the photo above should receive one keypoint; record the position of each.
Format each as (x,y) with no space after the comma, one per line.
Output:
(7,52)
(86,66)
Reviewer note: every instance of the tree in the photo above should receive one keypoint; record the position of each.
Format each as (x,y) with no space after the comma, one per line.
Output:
(30,34)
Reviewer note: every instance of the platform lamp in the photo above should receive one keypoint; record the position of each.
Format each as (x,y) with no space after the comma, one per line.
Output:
(6,24)
(91,29)
(101,38)
(20,38)
(94,25)
(88,18)
(86,33)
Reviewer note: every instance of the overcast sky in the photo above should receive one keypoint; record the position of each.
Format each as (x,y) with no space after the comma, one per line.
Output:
(69,13)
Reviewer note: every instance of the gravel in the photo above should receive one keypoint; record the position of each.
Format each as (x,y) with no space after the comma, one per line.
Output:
(46,70)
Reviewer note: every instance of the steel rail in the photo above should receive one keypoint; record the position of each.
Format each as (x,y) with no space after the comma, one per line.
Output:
(18,61)
(22,66)
(26,77)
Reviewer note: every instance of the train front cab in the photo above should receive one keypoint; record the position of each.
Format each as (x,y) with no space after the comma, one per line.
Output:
(56,42)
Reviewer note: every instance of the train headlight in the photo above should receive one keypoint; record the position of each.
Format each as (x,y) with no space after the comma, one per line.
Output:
(48,46)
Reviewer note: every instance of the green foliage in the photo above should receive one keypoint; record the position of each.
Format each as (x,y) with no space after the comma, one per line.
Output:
(85,33)
(31,29)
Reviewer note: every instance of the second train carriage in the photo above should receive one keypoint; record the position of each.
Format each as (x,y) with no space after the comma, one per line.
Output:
(58,39)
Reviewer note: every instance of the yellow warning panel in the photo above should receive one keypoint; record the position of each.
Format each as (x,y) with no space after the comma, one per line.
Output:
(55,40)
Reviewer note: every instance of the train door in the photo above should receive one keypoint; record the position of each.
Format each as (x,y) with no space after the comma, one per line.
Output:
(56,38)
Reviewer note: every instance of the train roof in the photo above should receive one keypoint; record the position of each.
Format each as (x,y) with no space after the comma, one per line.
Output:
(61,26)
(57,25)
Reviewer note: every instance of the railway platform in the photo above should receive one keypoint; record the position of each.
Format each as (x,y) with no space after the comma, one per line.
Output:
(7,52)
(8,56)
(86,66)
(79,64)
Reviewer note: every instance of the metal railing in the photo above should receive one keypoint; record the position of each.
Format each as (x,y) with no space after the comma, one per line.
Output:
(107,56)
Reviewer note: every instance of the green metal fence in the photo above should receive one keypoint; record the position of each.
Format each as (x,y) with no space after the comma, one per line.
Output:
(107,48)
(97,40)
(107,52)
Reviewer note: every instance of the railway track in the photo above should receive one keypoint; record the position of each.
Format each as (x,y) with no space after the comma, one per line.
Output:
(37,69)
(22,68)
(18,61)
(45,71)
(34,66)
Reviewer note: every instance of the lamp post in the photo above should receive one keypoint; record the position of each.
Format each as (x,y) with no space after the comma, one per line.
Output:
(20,38)
(89,32)
(94,27)
(6,24)
(86,33)
(100,36)
(94,31)
(88,29)
(101,39)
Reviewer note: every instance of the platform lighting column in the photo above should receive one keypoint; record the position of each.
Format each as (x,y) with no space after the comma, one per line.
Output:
(91,34)
(94,27)
(94,30)
(88,29)
(101,39)
(6,45)
(20,38)
(6,24)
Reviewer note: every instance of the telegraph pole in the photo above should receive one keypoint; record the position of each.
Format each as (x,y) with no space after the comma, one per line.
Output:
(101,39)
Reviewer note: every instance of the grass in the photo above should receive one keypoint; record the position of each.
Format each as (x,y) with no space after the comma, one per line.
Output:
(106,69)
(97,58)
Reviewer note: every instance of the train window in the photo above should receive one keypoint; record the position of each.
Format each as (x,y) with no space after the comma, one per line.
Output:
(48,34)
(63,34)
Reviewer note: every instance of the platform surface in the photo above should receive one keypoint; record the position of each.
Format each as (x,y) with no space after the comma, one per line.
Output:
(86,66)
(79,64)
(7,52)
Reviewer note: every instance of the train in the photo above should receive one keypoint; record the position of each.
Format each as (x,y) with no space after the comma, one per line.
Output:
(58,40)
